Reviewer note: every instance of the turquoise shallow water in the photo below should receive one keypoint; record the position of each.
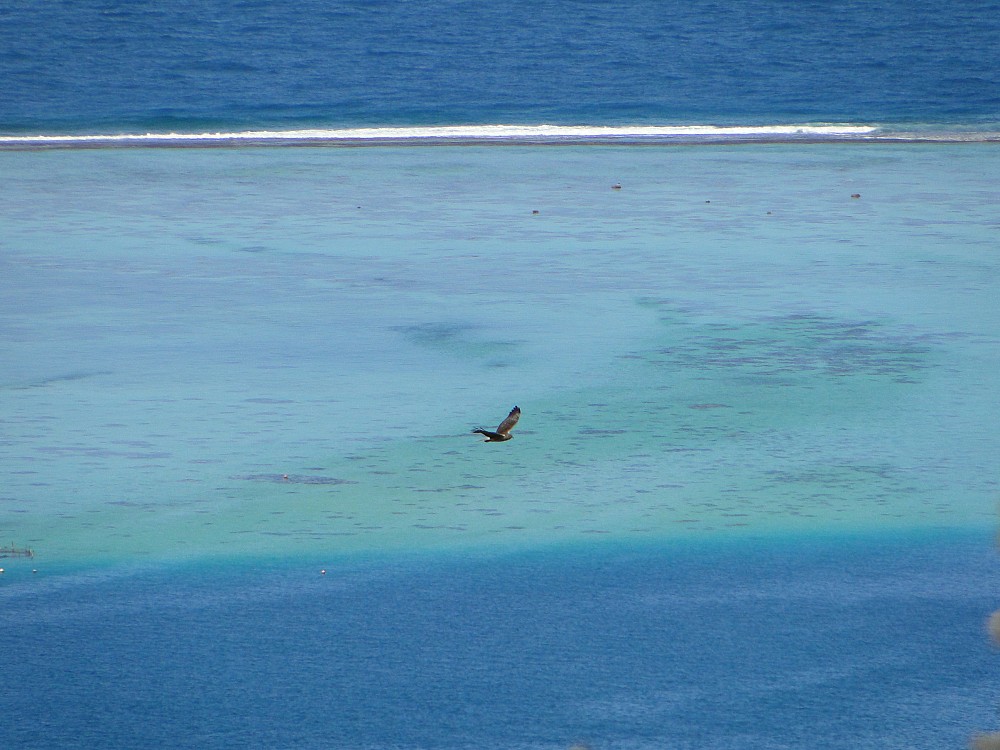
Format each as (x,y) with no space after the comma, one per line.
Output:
(728,343)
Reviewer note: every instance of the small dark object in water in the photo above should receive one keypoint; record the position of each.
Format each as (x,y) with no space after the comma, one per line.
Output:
(13,551)
(856,195)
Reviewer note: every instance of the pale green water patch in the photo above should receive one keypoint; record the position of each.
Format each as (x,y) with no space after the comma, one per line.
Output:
(687,440)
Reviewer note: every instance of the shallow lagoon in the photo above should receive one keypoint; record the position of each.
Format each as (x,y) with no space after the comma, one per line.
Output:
(728,343)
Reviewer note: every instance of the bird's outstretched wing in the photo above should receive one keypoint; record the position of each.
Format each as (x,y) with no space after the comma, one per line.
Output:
(496,436)
(508,424)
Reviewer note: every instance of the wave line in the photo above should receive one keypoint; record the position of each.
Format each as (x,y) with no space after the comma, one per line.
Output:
(457,133)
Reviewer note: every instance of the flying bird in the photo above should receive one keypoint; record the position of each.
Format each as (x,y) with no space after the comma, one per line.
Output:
(503,431)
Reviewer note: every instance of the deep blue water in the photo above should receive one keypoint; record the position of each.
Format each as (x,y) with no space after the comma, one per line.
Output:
(86,65)
(813,642)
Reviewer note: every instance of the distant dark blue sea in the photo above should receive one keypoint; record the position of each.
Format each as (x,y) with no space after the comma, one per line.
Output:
(105,66)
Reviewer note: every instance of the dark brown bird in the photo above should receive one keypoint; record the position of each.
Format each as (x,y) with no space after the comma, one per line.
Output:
(503,431)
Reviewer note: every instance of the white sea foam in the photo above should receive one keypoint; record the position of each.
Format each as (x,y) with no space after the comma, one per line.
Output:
(460,133)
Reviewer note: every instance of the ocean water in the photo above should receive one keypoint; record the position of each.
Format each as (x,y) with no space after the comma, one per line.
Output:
(749,401)
(847,644)
(251,64)
(263,268)
(694,352)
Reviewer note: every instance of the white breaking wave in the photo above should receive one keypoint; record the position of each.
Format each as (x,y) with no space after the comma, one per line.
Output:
(468,133)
